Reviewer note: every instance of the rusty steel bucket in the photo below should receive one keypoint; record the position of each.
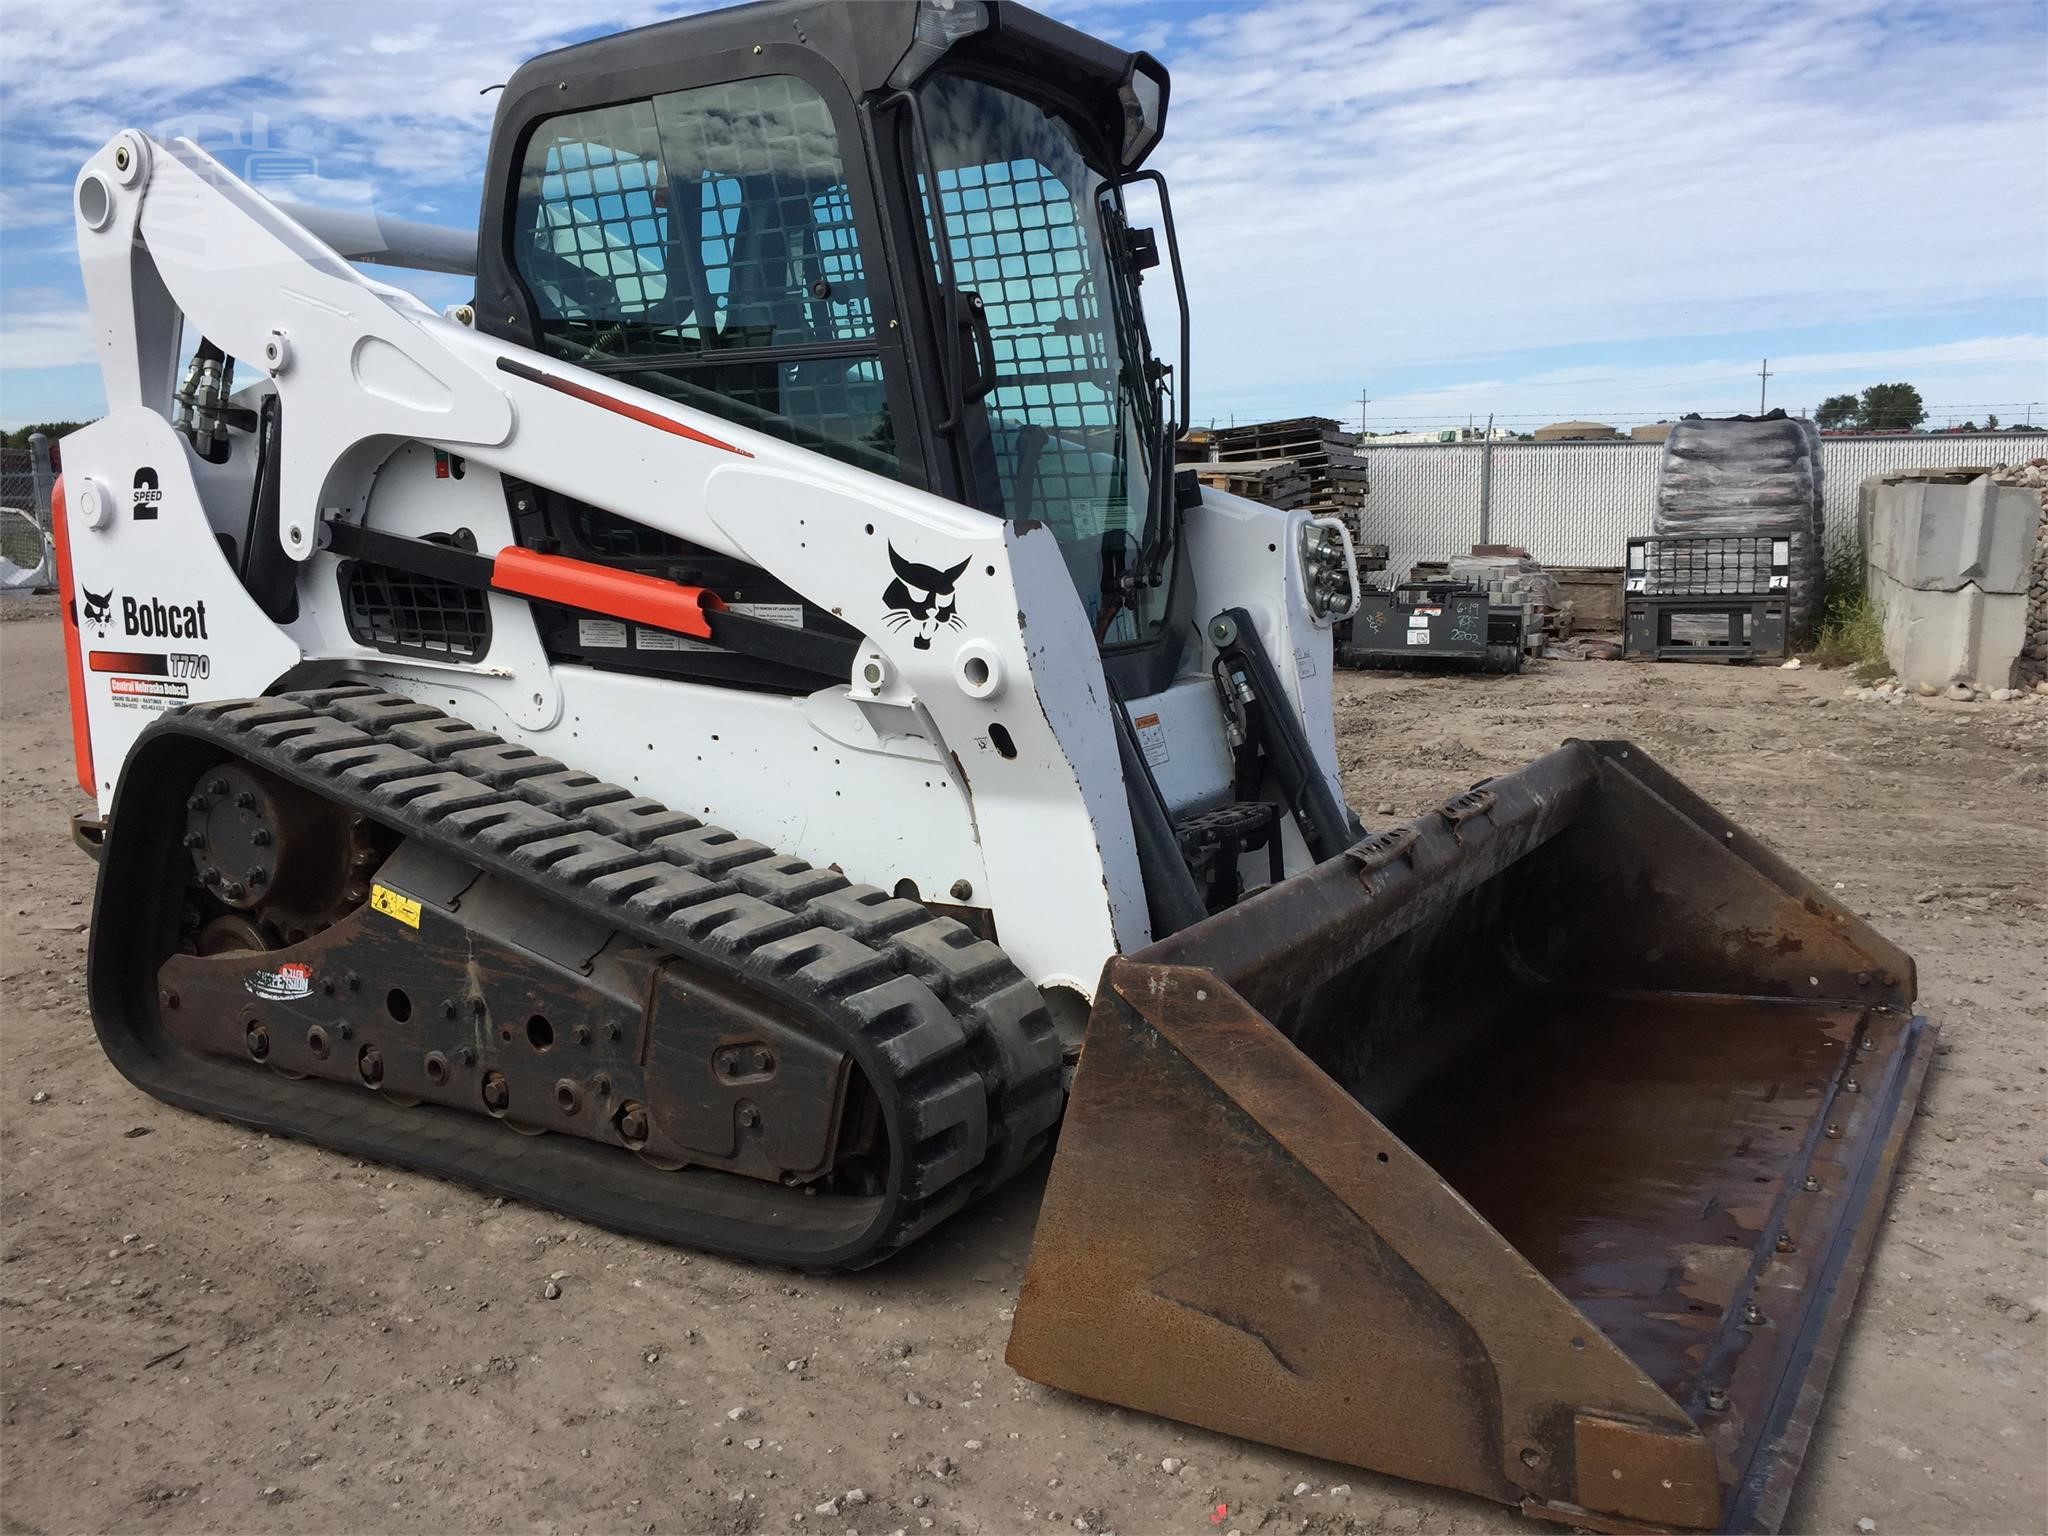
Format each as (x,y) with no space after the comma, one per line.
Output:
(1534,1148)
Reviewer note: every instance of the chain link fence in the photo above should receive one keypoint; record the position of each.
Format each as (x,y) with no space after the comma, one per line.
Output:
(27,560)
(1580,503)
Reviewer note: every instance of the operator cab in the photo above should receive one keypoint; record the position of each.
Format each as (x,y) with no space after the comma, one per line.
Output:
(892,232)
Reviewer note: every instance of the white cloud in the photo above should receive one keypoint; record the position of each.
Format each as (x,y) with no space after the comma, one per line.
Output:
(44,328)
(1365,191)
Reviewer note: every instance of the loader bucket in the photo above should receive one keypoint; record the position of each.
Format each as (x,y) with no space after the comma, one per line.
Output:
(1534,1148)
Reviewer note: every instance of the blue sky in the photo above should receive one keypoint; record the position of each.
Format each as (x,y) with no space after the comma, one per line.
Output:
(1563,208)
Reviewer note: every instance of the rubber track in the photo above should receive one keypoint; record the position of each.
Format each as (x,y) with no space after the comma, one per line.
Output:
(957,1043)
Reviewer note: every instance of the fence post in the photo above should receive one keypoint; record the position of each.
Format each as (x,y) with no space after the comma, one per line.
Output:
(39,473)
(1486,486)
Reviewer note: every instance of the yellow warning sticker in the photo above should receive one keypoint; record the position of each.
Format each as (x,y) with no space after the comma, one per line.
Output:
(391,904)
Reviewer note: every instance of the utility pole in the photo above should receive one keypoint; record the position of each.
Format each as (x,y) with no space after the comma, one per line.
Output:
(1764,374)
(1363,401)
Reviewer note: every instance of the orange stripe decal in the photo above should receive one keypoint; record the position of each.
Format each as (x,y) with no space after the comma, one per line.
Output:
(600,589)
(617,407)
(74,666)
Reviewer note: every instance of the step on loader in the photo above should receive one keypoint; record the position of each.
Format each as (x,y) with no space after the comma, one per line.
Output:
(714,733)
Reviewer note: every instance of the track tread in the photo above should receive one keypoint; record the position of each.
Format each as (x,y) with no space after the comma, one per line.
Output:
(968,1055)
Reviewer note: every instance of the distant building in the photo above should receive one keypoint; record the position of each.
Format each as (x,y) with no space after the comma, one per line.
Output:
(1651,434)
(1441,435)
(1577,432)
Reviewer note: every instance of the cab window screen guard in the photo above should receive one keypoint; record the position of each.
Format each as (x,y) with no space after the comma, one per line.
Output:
(1027,218)
(702,245)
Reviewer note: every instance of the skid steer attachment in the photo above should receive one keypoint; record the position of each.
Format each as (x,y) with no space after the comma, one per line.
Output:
(1534,1148)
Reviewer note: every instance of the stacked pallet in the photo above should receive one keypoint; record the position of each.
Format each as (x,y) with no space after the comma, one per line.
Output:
(1276,482)
(1328,458)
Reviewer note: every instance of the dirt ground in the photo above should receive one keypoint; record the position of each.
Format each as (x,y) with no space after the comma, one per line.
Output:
(205,1330)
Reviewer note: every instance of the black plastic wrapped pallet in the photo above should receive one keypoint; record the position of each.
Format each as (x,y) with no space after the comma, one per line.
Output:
(1750,475)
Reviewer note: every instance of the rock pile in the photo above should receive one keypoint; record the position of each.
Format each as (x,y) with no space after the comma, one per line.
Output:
(2033,663)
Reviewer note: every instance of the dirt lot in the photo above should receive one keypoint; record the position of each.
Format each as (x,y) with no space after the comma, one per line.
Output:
(208,1330)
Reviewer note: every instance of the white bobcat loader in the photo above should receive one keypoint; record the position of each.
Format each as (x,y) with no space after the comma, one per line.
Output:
(707,735)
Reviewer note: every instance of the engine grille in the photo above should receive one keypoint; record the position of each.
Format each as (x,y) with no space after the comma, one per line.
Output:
(411,615)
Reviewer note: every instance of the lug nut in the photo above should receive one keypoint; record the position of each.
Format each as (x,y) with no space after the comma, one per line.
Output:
(448,1008)
(631,1122)
(467,1055)
(750,1117)
(168,998)
(611,1031)
(1834,1131)
(260,838)
(1785,1243)
(347,1030)
(245,801)
(1811,1185)
(196,803)
(580,1034)
(1866,1043)
(1752,1314)
(217,787)
(603,1085)
(257,875)
(370,1062)
(497,1092)
(195,839)
(1852,1086)
(1717,1401)
(259,1041)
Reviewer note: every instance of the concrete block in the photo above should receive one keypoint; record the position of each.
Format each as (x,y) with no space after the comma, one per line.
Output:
(1963,636)
(1949,530)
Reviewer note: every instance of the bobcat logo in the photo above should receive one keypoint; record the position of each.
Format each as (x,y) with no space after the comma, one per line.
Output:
(921,596)
(98,610)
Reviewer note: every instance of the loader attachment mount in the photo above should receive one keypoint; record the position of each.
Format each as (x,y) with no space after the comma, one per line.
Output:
(1534,1148)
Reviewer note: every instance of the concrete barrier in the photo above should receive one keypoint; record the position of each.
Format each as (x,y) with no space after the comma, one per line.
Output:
(1948,556)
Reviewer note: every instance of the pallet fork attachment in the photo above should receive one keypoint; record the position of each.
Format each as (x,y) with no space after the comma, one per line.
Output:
(1534,1149)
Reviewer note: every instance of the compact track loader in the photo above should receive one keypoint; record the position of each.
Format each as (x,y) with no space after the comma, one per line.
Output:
(711,734)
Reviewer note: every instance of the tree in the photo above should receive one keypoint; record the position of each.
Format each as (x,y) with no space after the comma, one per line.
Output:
(1837,412)
(50,429)
(1891,408)
(1990,423)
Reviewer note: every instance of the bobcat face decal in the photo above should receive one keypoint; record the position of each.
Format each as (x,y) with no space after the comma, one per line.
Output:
(98,610)
(920,598)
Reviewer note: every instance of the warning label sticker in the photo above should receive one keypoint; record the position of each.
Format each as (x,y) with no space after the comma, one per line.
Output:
(392,904)
(1418,637)
(661,640)
(789,615)
(1152,740)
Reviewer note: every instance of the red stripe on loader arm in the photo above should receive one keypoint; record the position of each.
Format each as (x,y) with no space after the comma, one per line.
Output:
(600,589)
(617,407)
(74,665)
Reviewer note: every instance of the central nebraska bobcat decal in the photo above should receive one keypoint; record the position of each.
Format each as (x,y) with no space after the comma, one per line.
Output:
(921,595)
